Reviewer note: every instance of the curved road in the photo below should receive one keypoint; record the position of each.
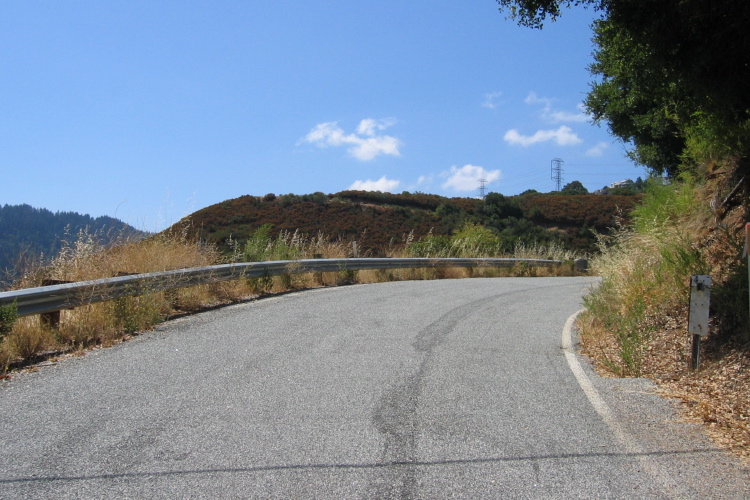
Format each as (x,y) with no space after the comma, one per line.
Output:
(431,389)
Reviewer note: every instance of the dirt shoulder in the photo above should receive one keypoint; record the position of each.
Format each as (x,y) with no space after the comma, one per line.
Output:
(717,395)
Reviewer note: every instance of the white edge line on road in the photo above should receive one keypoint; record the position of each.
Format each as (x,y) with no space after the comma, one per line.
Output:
(588,388)
(662,478)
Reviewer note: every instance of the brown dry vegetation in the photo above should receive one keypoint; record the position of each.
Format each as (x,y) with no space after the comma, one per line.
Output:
(636,324)
(390,218)
(104,324)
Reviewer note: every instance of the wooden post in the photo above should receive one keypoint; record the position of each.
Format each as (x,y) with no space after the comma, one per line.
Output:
(51,319)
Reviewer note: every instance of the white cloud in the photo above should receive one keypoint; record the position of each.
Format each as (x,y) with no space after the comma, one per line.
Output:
(364,145)
(564,116)
(374,146)
(532,98)
(597,150)
(383,184)
(467,177)
(563,136)
(424,179)
(368,126)
(424,182)
(490,100)
(553,116)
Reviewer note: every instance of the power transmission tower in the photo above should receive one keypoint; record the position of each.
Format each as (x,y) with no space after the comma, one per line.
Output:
(557,172)
(482,188)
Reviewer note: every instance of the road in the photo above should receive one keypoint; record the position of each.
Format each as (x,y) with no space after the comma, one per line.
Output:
(427,389)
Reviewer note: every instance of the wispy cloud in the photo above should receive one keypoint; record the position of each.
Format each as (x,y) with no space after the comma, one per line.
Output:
(490,100)
(423,182)
(369,126)
(554,116)
(597,150)
(563,136)
(467,177)
(383,184)
(365,144)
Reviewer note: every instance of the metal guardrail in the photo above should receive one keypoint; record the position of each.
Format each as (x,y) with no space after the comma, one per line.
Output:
(47,299)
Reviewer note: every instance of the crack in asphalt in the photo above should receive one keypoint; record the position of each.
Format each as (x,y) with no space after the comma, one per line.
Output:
(395,416)
(336,466)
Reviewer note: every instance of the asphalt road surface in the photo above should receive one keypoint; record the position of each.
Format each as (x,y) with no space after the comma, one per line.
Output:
(431,389)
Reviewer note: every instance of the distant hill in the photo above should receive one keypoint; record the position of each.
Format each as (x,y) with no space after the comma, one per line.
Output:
(28,232)
(378,220)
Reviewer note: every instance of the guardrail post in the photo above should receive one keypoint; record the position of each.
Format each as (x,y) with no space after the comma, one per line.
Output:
(51,319)
(317,275)
(581,265)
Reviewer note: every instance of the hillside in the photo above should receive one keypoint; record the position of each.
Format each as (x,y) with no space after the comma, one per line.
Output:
(378,220)
(26,233)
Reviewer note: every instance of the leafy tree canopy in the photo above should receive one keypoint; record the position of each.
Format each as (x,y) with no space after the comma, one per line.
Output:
(673,75)
(574,187)
(533,13)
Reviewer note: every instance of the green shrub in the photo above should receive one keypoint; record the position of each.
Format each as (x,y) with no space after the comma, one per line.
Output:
(8,316)
(430,245)
(645,271)
(473,240)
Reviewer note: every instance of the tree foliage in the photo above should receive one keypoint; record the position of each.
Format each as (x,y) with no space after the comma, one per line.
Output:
(534,13)
(28,232)
(673,75)
(574,187)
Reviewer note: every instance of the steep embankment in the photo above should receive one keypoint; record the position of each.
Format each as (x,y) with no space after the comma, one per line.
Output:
(636,324)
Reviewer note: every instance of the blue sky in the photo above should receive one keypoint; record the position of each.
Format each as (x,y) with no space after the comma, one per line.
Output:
(148,111)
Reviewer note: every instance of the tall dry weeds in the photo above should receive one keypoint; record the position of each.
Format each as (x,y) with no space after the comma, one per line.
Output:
(637,319)
(644,268)
(85,258)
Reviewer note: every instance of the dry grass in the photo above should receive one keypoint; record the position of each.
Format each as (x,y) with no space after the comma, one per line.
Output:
(103,324)
(28,339)
(636,323)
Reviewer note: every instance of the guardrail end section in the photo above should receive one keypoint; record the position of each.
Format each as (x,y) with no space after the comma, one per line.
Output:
(581,265)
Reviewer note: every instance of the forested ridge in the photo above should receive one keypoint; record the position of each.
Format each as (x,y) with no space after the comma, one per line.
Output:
(28,233)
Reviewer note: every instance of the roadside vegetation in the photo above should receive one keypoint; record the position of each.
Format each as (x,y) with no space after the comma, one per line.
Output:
(30,234)
(377,221)
(26,340)
(636,320)
(678,100)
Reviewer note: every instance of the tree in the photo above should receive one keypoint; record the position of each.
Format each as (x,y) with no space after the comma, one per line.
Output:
(574,187)
(497,207)
(533,13)
(636,98)
(674,75)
